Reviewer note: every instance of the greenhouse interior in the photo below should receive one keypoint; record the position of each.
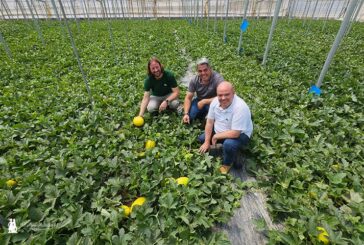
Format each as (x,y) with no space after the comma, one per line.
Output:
(87,158)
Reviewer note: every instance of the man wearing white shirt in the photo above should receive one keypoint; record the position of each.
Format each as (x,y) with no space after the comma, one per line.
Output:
(228,121)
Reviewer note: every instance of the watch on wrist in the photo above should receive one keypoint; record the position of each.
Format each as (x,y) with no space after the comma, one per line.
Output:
(167,102)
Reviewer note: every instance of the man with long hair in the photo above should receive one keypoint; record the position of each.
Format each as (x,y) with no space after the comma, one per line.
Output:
(160,89)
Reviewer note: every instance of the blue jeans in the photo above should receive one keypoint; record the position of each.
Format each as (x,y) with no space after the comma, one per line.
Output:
(230,147)
(197,113)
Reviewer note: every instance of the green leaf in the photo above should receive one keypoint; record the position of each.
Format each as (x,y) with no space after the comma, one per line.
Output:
(184,219)
(167,201)
(2,161)
(355,197)
(73,239)
(105,213)
(337,178)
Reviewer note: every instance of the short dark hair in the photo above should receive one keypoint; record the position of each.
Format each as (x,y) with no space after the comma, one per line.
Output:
(150,61)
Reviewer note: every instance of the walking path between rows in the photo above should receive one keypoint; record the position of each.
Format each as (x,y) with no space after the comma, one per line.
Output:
(242,228)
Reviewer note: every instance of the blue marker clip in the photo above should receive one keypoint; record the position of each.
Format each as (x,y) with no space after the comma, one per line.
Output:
(244,25)
(225,39)
(314,90)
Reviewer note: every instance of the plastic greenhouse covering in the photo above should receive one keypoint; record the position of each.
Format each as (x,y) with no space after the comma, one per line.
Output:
(79,166)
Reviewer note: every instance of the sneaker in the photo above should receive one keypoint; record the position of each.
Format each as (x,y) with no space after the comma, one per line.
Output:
(224,169)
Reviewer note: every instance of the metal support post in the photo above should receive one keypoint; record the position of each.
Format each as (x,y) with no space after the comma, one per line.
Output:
(36,23)
(217,4)
(339,37)
(241,31)
(6,47)
(75,51)
(225,24)
(269,42)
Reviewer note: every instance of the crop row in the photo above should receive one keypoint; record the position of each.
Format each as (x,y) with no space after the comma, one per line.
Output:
(75,164)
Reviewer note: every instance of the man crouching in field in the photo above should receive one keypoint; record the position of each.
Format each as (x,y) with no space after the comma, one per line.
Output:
(228,122)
